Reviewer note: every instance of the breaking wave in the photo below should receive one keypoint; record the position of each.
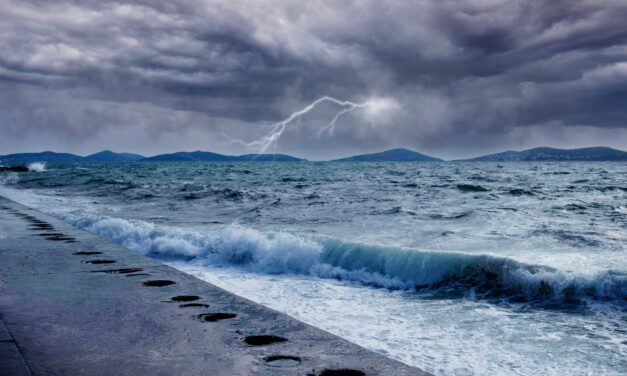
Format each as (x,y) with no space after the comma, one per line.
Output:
(482,276)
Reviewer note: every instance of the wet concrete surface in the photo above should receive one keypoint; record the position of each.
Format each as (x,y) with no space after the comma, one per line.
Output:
(64,314)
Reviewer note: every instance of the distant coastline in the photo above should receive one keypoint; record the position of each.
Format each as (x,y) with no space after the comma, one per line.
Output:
(543,154)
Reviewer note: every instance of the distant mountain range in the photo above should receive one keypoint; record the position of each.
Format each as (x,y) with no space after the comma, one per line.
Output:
(109,156)
(205,156)
(551,154)
(46,156)
(393,155)
(49,156)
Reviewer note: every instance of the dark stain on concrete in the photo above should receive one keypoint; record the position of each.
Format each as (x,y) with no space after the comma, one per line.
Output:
(263,340)
(99,261)
(342,372)
(185,298)
(60,238)
(194,305)
(119,271)
(41,226)
(158,283)
(282,360)
(216,316)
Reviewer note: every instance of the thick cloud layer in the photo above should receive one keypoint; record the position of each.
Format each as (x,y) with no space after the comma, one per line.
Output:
(455,78)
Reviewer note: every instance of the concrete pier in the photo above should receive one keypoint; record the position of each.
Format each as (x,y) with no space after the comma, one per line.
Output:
(72,303)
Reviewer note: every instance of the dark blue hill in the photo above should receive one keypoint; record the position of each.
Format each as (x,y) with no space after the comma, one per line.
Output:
(394,155)
(46,156)
(109,156)
(196,156)
(552,154)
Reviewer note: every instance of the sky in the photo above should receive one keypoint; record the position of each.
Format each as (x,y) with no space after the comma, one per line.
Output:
(451,79)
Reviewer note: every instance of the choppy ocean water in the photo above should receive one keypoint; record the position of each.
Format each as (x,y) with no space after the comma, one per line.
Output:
(456,268)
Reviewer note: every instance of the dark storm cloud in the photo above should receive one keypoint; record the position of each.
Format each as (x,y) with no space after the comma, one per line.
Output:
(463,76)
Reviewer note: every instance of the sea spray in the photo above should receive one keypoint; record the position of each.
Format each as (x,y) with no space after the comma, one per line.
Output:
(37,167)
(388,267)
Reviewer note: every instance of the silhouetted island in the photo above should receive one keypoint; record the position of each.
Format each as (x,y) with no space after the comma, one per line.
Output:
(551,154)
(393,155)
(109,156)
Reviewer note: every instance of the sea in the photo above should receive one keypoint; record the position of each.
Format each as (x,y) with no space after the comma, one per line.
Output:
(457,268)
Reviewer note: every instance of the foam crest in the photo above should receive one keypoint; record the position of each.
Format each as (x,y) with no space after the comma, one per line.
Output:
(146,238)
(270,253)
(234,245)
(394,268)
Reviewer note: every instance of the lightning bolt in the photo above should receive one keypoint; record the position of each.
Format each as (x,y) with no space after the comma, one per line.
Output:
(277,129)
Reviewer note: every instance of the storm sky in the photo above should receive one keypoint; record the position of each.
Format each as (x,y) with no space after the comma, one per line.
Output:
(451,79)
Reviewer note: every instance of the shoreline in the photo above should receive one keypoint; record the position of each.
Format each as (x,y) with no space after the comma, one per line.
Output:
(74,303)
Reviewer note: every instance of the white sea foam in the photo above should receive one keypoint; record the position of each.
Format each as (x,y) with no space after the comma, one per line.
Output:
(37,167)
(394,268)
